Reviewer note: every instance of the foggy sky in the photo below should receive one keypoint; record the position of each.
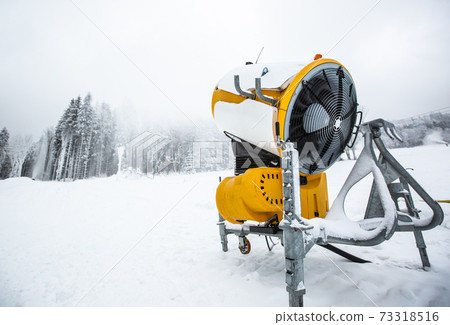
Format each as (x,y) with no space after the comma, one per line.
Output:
(51,52)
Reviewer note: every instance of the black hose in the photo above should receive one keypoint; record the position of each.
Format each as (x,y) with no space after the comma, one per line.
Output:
(345,254)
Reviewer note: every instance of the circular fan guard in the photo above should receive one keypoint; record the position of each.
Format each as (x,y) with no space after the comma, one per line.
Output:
(323,116)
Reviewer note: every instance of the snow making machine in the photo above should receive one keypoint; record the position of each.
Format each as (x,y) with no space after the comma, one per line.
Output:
(288,123)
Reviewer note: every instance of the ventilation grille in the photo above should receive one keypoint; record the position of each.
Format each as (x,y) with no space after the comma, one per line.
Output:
(249,156)
(322,118)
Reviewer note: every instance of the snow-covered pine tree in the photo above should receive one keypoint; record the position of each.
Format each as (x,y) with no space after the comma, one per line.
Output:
(38,160)
(84,130)
(109,142)
(5,159)
(29,161)
(65,141)
(18,149)
(42,167)
(104,142)
(4,139)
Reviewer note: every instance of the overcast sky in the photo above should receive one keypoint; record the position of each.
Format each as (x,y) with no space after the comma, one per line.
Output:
(160,60)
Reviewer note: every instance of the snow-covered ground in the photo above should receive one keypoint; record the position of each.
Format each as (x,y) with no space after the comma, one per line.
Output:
(136,241)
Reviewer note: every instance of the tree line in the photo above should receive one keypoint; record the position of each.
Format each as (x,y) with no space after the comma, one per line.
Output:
(83,144)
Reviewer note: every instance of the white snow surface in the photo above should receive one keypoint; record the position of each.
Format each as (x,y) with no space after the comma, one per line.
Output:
(136,241)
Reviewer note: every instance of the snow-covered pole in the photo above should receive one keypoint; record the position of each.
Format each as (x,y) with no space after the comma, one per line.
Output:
(294,246)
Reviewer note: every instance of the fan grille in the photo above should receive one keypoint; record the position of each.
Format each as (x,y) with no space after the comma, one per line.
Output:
(323,117)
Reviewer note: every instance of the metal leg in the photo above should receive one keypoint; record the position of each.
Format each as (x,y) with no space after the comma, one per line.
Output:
(420,243)
(223,233)
(294,252)
(294,245)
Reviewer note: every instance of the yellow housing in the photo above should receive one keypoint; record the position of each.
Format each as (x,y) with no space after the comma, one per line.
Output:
(314,196)
(257,195)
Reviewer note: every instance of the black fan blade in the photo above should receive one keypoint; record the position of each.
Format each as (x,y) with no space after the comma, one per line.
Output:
(314,95)
(329,98)
(295,129)
(341,139)
(326,78)
(314,133)
(348,114)
(328,143)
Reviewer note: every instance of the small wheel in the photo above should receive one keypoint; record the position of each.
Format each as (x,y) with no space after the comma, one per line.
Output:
(246,248)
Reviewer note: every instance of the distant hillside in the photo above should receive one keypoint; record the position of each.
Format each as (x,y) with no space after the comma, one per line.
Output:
(423,129)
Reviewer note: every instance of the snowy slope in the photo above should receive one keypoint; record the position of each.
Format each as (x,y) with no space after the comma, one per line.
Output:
(133,241)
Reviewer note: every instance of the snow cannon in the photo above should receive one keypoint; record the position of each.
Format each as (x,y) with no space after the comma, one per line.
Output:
(288,123)
(315,107)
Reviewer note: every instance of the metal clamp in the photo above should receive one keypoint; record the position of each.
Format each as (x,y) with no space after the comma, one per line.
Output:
(260,95)
(240,91)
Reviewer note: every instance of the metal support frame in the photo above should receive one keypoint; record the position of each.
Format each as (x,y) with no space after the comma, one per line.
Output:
(392,171)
